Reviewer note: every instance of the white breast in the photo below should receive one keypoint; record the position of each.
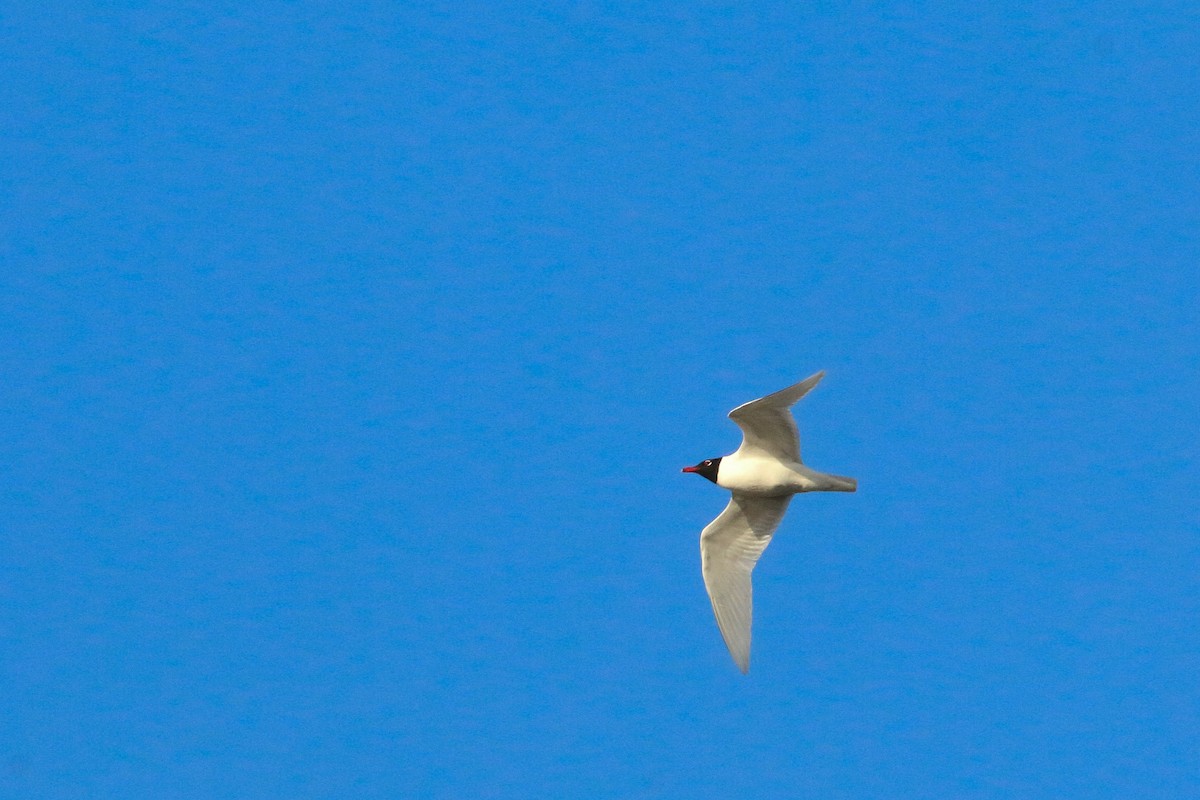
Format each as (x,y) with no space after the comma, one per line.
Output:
(762,476)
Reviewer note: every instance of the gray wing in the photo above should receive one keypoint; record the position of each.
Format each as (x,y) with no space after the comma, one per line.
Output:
(729,549)
(767,424)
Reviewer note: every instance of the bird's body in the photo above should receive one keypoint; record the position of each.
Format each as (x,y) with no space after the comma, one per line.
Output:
(771,477)
(763,475)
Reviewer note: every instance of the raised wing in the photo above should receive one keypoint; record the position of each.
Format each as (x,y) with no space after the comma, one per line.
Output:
(767,424)
(729,549)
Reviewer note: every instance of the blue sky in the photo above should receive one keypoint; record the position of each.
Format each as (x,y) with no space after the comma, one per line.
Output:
(351,352)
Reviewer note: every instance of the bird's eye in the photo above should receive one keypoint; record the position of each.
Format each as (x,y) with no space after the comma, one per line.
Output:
(708,463)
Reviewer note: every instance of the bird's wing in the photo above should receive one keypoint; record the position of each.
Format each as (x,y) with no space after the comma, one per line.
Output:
(729,549)
(767,424)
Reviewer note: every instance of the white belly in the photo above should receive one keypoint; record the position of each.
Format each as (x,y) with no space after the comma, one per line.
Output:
(763,476)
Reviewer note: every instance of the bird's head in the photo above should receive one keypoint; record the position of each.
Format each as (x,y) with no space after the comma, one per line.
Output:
(708,468)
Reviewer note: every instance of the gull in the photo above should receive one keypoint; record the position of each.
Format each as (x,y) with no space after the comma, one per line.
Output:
(762,474)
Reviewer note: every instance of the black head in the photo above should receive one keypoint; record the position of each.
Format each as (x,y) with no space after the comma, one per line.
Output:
(708,468)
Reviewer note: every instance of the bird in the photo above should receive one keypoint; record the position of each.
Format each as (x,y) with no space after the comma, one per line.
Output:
(763,474)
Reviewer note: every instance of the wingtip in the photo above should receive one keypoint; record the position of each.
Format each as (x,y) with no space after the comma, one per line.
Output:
(784,397)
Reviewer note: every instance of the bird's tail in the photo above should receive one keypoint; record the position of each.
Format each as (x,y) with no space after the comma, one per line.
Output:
(840,483)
